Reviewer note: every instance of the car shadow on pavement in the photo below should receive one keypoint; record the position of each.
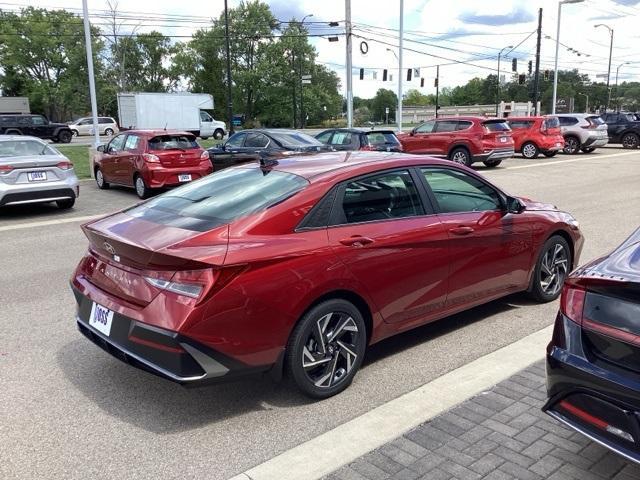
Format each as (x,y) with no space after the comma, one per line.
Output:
(160,406)
(430,331)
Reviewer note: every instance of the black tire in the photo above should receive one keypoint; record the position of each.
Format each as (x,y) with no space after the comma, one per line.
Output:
(492,163)
(530,150)
(64,136)
(461,155)
(66,204)
(571,145)
(218,134)
(331,365)
(549,154)
(588,149)
(548,264)
(204,138)
(108,132)
(630,140)
(13,132)
(142,190)
(100,181)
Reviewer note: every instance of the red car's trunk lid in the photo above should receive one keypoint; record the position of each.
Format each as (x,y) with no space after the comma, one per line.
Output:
(178,158)
(124,250)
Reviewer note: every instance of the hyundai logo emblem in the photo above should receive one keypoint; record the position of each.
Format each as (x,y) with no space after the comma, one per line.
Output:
(109,248)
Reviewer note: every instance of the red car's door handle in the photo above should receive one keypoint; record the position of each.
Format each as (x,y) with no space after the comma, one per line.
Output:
(461,230)
(356,241)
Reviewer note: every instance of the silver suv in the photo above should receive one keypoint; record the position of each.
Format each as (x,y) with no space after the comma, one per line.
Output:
(582,131)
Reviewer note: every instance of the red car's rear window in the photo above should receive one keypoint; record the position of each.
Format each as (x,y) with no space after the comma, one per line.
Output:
(173,142)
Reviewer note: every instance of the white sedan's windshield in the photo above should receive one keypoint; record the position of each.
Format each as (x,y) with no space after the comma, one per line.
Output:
(25,148)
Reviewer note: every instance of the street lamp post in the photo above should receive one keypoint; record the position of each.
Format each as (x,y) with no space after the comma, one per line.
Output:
(609,71)
(498,80)
(555,70)
(302,115)
(618,96)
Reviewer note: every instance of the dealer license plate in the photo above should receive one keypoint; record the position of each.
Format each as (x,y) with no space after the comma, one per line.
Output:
(184,178)
(37,176)
(101,318)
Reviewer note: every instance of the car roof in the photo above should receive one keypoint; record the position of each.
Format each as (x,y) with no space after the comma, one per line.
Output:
(156,132)
(532,117)
(359,130)
(325,165)
(5,138)
(476,118)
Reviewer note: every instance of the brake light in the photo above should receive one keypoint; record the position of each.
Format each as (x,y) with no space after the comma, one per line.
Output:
(204,155)
(593,420)
(196,284)
(572,302)
(150,158)
(4,169)
(65,165)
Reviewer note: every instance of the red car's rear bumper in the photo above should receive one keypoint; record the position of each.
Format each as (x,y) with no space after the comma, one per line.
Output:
(157,176)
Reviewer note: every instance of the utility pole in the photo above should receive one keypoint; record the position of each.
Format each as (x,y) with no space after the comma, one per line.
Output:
(498,80)
(437,88)
(349,67)
(226,41)
(293,90)
(401,35)
(536,78)
(92,81)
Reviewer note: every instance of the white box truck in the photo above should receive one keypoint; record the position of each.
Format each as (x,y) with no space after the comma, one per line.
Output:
(14,105)
(171,111)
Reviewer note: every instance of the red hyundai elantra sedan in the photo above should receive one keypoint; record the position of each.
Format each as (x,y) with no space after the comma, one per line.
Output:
(298,265)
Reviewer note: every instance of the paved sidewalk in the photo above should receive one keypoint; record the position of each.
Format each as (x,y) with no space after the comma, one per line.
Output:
(499,434)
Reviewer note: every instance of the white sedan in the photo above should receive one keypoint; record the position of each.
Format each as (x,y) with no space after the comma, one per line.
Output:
(32,171)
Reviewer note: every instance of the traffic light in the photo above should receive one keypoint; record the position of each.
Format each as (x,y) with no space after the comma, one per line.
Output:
(530,67)
(521,79)
(422,82)
(546,75)
(409,72)
(362,74)
(514,65)
(384,75)
(435,82)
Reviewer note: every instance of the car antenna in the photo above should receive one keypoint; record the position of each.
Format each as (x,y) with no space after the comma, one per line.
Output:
(267,163)
(165,126)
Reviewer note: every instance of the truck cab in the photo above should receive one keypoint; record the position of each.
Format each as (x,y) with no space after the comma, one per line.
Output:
(210,127)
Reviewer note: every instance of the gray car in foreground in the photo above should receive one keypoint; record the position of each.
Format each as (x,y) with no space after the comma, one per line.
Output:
(32,171)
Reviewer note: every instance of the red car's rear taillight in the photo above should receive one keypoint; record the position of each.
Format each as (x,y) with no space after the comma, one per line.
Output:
(204,155)
(196,284)
(150,158)
(572,302)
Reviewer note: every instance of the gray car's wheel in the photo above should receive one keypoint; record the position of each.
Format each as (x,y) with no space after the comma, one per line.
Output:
(571,145)
(552,267)
(108,132)
(66,204)
(218,134)
(74,133)
(326,348)
(630,140)
(100,181)
(530,150)
(461,155)
(588,149)
(141,188)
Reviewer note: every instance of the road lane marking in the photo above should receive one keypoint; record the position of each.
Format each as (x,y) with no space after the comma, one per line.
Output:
(581,159)
(44,223)
(383,424)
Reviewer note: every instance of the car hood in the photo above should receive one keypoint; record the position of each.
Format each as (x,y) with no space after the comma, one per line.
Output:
(537,206)
(622,264)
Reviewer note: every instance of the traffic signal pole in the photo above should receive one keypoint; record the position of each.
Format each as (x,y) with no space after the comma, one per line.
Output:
(536,78)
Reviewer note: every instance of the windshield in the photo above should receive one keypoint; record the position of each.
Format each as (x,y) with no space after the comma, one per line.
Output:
(25,148)
(220,198)
(295,139)
(173,142)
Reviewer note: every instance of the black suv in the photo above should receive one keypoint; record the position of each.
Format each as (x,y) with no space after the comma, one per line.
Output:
(35,126)
(623,128)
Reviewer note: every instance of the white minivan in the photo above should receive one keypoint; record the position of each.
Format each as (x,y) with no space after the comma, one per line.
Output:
(84,126)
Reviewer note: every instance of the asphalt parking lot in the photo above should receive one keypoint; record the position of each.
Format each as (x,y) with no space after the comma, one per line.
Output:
(72,411)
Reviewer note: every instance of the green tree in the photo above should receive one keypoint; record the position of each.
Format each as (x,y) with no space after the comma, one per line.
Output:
(43,56)
(384,99)
(415,98)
